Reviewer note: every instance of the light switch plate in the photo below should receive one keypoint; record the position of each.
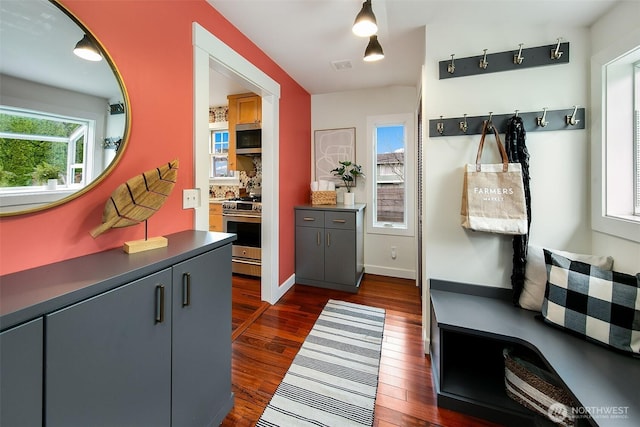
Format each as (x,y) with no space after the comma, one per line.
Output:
(191,198)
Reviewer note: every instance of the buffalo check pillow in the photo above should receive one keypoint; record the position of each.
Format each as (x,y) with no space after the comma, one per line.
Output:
(601,305)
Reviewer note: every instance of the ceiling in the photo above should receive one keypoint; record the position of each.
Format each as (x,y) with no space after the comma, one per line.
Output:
(304,48)
(304,37)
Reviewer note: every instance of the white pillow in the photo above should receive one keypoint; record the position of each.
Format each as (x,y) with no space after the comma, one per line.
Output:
(535,275)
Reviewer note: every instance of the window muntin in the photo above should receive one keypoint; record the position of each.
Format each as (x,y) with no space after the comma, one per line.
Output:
(32,138)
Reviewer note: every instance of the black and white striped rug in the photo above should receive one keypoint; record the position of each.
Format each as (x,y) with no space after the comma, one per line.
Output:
(334,377)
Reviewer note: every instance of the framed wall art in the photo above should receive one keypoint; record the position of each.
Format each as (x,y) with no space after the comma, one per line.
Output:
(330,147)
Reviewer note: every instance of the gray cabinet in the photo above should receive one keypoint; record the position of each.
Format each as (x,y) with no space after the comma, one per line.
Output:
(120,339)
(21,375)
(108,358)
(201,344)
(329,246)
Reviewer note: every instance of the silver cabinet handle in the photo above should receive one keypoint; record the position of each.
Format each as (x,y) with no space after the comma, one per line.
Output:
(318,239)
(308,218)
(340,221)
(159,304)
(186,289)
(328,239)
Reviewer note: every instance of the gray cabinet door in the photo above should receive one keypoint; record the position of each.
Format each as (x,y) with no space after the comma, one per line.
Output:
(108,358)
(310,253)
(339,256)
(201,365)
(21,353)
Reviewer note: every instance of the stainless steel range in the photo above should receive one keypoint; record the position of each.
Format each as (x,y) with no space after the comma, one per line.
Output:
(243,217)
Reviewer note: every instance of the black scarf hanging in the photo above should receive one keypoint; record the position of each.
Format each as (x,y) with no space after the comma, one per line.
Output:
(518,153)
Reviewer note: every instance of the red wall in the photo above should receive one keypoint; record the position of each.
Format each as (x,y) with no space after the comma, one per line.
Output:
(151,44)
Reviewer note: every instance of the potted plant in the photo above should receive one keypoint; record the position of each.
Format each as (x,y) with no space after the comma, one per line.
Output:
(47,173)
(348,172)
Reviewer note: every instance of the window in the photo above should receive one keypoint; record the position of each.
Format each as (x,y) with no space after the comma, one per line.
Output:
(391,174)
(219,154)
(616,141)
(36,145)
(636,133)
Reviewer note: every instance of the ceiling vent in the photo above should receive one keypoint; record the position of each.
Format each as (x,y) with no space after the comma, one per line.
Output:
(344,64)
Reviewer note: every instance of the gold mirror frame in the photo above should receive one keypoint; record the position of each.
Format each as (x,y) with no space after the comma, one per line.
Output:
(126,128)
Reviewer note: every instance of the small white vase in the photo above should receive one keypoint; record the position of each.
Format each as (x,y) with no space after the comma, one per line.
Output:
(52,184)
(349,198)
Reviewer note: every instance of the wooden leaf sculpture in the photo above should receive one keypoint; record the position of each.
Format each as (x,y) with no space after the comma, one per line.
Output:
(138,198)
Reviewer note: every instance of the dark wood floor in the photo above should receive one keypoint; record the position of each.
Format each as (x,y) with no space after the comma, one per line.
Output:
(266,346)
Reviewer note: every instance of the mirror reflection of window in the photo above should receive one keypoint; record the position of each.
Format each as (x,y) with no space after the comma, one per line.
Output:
(37,146)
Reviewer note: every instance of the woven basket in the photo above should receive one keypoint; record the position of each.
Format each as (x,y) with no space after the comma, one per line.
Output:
(323,197)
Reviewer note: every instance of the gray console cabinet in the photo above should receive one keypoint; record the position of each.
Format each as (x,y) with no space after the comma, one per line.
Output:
(129,340)
(329,246)
(21,375)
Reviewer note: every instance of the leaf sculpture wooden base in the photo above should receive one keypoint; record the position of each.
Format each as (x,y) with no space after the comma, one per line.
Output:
(142,245)
(135,201)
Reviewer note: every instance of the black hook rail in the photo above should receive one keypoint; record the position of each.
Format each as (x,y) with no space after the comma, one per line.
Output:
(538,121)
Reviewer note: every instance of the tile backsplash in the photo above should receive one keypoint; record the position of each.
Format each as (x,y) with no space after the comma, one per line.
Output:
(249,181)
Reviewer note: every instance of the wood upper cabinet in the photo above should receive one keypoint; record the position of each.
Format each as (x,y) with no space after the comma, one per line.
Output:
(248,109)
(243,108)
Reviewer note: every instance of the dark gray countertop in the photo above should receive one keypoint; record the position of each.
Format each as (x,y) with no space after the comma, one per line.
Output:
(338,207)
(28,294)
(599,378)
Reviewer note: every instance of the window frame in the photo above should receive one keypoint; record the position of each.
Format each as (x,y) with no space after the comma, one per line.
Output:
(408,120)
(227,180)
(606,142)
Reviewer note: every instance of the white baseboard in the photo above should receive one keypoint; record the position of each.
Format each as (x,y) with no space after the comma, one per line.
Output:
(283,288)
(391,272)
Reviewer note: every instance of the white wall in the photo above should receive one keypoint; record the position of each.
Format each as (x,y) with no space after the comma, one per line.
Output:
(350,109)
(610,31)
(558,164)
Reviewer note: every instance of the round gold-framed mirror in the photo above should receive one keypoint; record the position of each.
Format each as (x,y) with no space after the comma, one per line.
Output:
(64,120)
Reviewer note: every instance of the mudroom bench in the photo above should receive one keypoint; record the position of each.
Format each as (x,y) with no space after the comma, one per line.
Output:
(470,327)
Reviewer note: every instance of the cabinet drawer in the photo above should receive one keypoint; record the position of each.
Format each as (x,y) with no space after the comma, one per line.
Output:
(340,220)
(309,218)
(215,208)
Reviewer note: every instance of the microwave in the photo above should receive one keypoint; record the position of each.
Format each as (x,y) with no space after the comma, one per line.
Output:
(248,138)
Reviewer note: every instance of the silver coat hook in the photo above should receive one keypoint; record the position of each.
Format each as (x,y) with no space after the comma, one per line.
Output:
(489,122)
(571,120)
(483,62)
(440,126)
(451,67)
(463,125)
(516,113)
(555,53)
(541,121)
(517,59)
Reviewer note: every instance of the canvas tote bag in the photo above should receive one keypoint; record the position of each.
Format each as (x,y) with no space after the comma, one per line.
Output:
(493,194)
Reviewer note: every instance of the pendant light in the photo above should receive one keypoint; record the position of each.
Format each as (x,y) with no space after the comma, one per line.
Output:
(373,52)
(85,49)
(365,24)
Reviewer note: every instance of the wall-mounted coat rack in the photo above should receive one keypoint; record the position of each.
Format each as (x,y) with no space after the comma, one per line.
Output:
(544,120)
(505,61)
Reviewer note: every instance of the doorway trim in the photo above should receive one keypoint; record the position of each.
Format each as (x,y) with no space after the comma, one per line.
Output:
(209,52)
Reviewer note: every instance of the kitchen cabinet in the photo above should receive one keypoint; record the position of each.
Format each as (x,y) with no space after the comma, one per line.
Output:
(21,366)
(215,216)
(130,339)
(329,246)
(243,108)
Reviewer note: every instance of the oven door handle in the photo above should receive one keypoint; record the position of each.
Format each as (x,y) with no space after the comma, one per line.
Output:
(231,216)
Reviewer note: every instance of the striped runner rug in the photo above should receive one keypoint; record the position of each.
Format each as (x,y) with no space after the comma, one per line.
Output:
(334,377)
